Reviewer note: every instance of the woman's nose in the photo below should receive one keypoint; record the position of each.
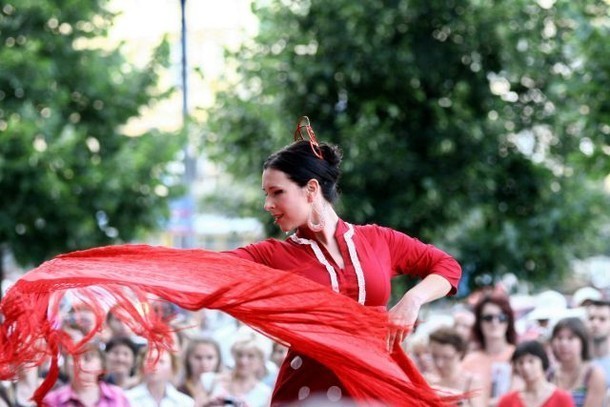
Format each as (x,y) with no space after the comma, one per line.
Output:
(268,204)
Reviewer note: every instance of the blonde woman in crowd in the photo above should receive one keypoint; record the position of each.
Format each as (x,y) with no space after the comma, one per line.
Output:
(157,388)
(244,385)
(202,355)
(447,348)
(574,371)
(496,337)
(418,348)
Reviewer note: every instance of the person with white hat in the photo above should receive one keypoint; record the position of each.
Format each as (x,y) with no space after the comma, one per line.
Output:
(584,295)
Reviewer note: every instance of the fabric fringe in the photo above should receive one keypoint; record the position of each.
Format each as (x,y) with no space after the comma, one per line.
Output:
(333,329)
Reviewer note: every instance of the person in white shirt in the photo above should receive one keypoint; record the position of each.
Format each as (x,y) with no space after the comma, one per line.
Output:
(156,390)
(244,385)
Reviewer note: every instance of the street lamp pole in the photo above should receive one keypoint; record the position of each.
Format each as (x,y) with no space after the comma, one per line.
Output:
(189,159)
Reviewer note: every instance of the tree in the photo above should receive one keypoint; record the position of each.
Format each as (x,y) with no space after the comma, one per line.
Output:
(419,95)
(70,179)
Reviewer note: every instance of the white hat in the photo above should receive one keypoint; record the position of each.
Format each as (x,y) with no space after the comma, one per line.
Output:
(549,305)
(585,294)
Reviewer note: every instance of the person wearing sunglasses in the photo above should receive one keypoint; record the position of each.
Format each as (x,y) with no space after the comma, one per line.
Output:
(495,335)
(300,183)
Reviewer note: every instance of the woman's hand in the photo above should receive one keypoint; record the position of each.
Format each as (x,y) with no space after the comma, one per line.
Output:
(404,314)
(402,318)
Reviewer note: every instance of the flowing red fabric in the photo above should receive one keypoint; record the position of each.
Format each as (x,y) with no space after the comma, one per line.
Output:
(333,329)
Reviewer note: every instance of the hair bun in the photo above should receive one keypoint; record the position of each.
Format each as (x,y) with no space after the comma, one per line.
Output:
(332,154)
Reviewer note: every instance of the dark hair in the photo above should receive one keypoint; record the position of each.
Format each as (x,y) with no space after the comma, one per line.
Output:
(599,303)
(578,328)
(533,348)
(300,164)
(501,301)
(122,340)
(449,336)
(193,343)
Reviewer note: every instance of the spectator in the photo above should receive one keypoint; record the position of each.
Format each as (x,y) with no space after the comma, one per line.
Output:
(121,354)
(463,321)
(584,296)
(20,391)
(277,356)
(85,387)
(575,373)
(418,349)
(244,384)
(202,355)
(494,331)
(598,322)
(530,362)
(447,348)
(278,353)
(156,388)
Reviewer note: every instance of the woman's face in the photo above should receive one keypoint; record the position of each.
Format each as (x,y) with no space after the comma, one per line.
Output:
(494,322)
(566,345)
(248,362)
(445,357)
(89,369)
(286,201)
(120,359)
(161,372)
(203,359)
(279,353)
(529,368)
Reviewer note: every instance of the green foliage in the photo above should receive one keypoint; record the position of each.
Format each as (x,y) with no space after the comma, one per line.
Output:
(451,115)
(69,177)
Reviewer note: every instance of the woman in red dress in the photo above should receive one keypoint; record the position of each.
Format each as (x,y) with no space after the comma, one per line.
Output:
(300,186)
(323,292)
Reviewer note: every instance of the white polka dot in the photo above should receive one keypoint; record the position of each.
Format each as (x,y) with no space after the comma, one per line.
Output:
(296,363)
(303,393)
(334,393)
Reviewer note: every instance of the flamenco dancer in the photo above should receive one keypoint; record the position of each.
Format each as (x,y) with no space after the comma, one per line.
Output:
(323,291)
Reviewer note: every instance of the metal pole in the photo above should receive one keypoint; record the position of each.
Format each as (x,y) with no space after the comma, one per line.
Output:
(189,160)
(184,62)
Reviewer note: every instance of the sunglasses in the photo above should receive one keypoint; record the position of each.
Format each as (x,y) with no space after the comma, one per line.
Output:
(501,318)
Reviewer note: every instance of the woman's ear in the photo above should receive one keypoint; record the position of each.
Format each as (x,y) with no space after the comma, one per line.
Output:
(313,187)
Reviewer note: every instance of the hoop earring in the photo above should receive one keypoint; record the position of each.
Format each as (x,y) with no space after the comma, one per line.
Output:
(316,213)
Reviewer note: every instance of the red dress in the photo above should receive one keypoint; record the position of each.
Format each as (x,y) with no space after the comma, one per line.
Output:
(372,256)
(559,398)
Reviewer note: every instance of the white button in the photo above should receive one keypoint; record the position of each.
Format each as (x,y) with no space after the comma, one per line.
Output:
(334,393)
(303,393)
(296,363)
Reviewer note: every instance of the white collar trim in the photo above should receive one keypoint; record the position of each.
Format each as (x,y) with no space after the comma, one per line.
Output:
(351,247)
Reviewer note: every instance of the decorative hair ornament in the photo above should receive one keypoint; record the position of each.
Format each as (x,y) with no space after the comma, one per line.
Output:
(304,126)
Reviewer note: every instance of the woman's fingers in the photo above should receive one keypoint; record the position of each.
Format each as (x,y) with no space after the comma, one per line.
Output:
(395,336)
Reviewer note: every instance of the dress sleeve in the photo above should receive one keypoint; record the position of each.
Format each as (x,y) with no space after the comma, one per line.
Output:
(412,257)
(259,252)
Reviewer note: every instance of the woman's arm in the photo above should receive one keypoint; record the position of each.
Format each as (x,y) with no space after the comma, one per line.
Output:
(404,314)
(596,388)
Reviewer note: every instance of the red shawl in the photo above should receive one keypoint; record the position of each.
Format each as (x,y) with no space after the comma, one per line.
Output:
(331,328)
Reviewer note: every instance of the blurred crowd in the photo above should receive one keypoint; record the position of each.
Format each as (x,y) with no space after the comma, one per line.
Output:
(500,350)
(490,350)
(215,361)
